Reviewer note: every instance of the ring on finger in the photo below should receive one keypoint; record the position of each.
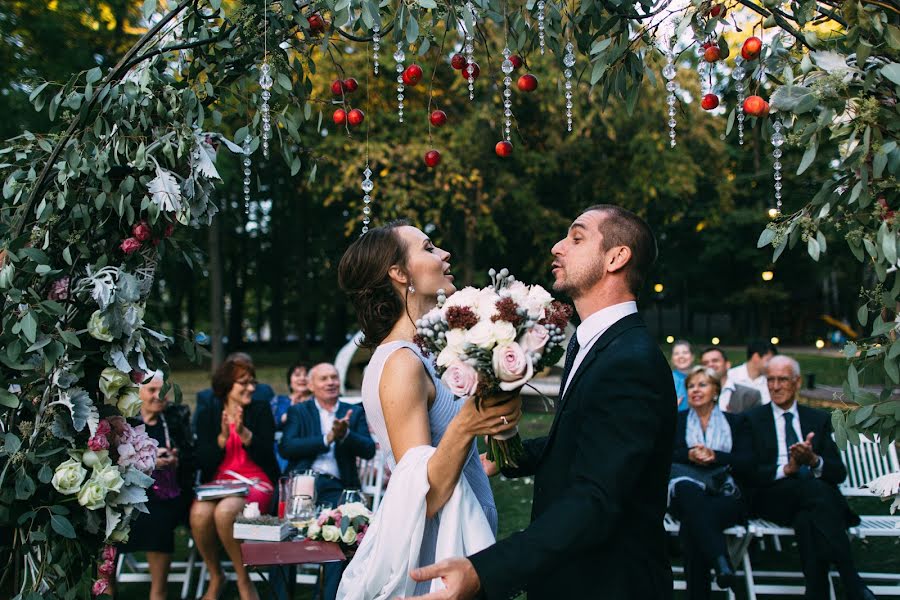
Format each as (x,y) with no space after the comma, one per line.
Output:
(504,420)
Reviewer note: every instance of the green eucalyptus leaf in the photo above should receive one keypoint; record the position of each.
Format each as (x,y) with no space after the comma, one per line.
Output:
(62,526)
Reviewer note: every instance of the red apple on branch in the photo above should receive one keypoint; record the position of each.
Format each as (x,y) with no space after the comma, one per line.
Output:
(432,158)
(503,149)
(527,83)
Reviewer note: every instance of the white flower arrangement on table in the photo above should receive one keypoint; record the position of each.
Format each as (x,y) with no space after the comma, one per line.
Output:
(494,339)
(347,525)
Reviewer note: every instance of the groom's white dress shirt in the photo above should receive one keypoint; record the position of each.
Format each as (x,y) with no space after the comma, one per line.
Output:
(590,330)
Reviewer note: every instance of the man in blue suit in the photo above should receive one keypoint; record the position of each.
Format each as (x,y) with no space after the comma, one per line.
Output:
(327,436)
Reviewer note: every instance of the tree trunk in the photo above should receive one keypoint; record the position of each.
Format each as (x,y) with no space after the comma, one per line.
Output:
(216,312)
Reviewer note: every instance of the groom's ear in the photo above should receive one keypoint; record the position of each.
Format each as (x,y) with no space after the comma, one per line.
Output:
(617,258)
(398,275)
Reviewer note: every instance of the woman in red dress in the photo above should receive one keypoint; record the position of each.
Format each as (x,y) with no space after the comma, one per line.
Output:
(235,439)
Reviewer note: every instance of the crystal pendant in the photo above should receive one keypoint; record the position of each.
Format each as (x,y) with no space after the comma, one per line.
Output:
(738,75)
(376,46)
(247,162)
(399,57)
(469,50)
(777,141)
(669,72)
(265,82)
(366,186)
(541,7)
(569,62)
(507,67)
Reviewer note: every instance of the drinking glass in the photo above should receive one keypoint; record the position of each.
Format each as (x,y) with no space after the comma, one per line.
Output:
(351,495)
(303,483)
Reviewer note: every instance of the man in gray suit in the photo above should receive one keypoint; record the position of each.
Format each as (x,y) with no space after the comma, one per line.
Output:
(734,397)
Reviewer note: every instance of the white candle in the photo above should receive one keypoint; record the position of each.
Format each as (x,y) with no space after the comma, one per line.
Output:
(305,485)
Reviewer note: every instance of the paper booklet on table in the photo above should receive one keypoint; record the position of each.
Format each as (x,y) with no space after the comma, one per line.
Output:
(221,489)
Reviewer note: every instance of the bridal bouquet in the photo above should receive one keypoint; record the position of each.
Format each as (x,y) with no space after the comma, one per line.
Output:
(494,339)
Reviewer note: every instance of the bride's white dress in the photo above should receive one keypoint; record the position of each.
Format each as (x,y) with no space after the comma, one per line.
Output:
(400,538)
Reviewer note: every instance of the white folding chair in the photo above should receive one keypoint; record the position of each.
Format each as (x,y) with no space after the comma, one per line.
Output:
(371,477)
(131,570)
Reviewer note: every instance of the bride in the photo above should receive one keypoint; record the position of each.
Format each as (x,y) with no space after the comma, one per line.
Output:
(392,274)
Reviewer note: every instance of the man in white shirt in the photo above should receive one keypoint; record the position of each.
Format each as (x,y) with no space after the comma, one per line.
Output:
(734,397)
(798,468)
(753,372)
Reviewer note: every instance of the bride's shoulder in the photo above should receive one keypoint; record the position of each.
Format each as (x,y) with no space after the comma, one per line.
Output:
(403,362)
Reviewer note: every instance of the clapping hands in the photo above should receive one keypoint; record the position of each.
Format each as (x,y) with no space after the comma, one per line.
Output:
(340,427)
(702,455)
(801,454)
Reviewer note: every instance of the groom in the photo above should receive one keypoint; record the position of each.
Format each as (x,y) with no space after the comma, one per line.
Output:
(600,476)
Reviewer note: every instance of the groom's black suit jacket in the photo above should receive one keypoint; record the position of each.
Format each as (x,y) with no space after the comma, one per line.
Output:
(600,481)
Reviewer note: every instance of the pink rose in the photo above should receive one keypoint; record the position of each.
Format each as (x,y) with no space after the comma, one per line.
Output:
(535,339)
(137,376)
(100,587)
(323,518)
(129,245)
(460,378)
(106,569)
(103,427)
(511,366)
(141,231)
(59,290)
(109,553)
(98,443)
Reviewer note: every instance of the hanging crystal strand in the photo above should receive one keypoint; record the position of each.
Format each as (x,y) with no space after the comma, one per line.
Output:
(376,45)
(541,6)
(777,142)
(507,67)
(265,82)
(247,163)
(367,186)
(738,75)
(469,49)
(669,73)
(399,56)
(569,62)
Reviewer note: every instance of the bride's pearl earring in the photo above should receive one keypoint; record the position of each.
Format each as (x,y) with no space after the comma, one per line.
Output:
(411,289)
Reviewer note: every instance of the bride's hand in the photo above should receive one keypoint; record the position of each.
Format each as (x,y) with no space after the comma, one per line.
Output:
(492,418)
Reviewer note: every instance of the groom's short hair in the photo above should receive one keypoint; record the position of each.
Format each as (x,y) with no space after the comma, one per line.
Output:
(624,228)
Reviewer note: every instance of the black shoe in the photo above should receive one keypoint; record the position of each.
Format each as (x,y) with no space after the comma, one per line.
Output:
(725,575)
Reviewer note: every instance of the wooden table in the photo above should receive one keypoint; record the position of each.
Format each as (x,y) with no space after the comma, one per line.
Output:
(290,553)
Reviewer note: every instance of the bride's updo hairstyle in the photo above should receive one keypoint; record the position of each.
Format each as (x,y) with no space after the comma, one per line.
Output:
(363,275)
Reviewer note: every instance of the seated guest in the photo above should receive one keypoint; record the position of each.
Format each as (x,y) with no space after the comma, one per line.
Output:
(797,469)
(734,397)
(169,497)
(262,393)
(298,391)
(753,372)
(327,436)
(235,438)
(710,449)
(682,361)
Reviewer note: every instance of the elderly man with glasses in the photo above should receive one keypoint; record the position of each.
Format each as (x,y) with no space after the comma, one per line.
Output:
(798,469)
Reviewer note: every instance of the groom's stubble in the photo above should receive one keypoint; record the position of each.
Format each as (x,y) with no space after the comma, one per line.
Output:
(578,279)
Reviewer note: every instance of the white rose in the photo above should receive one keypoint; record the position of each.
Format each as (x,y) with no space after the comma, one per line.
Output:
(98,328)
(92,495)
(120,535)
(331,533)
(504,332)
(482,335)
(111,381)
(349,536)
(456,340)
(446,357)
(487,304)
(68,477)
(129,403)
(518,291)
(355,509)
(92,458)
(468,296)
(537,302)
(535,339)
(109,477)
(313,531)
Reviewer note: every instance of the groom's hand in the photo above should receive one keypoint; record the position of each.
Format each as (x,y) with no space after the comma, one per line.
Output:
(489,466)
(457,574)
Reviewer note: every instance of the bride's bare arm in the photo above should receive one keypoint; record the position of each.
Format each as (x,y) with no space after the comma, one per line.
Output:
(406,392)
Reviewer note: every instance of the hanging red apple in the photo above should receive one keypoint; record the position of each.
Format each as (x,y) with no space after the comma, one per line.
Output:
(751,48)
(717,10)
(316,23)
(412,75)
(527,82)
(432,158)
(337,87)
(458,61)
(355,117)
(351,85)
(339,116)
(438,118)
(476,71)
(756,106)
(712,54)
(709,101)
(516,60)
(503,149)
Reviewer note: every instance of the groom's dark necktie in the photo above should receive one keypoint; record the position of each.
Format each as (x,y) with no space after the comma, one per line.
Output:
(571,353)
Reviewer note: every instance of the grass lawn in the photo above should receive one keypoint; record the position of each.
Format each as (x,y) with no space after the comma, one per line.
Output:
(513,498)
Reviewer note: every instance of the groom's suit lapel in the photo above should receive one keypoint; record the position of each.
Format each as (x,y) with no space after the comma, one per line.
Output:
(615,330)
